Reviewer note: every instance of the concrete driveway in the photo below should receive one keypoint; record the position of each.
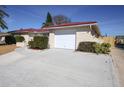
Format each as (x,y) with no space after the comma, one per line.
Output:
(55,67)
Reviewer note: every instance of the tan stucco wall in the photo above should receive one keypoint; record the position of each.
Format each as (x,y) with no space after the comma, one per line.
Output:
(85,36)
(51,40)
(26,38)
(2,40)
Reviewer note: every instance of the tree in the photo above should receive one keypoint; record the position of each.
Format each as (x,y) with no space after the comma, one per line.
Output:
(3,14)
(49,21)
(10,40)
(60,19)
(49,18)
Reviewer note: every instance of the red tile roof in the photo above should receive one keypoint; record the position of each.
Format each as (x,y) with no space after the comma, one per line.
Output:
(30,30)
(46,30)
(72,24)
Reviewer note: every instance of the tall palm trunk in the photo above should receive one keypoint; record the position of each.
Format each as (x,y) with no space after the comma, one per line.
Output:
(3,14)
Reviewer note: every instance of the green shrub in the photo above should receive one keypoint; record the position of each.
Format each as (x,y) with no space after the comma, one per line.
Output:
(31,44)
(97,48)
(103,48)
(19,38)
(86,46)
(39,42)
(93,47)
(10,40)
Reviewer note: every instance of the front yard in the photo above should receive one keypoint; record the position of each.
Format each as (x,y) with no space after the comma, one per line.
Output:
(56,67)
(7,48)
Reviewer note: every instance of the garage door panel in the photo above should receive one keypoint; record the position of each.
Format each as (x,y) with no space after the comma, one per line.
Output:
(64,40)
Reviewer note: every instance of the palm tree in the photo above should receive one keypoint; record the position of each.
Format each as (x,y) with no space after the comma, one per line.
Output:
(3,14)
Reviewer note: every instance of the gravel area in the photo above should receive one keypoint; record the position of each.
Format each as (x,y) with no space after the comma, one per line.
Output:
(54,68)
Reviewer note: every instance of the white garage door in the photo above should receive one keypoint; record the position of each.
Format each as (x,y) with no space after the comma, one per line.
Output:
(65,39)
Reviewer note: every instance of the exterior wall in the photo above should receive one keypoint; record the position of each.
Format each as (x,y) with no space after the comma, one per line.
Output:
(38,34)
(26,38)
(2,40)
(85,36)
(29,37)
(51,40)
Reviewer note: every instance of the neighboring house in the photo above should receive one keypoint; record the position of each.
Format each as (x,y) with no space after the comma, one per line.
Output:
(2,37)
(119,39)
(28,34)
(66,36)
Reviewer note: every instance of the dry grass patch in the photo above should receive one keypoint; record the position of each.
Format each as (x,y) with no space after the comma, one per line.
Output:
(7,48)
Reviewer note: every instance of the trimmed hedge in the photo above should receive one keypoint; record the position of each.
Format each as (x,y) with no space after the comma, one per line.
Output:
(86,46)
(10,40)
(39,42)
(93,47)
(19,38)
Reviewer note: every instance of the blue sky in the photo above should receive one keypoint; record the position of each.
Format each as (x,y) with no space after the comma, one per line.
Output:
(109,18)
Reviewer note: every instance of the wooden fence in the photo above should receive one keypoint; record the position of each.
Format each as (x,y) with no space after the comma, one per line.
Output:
(109,39)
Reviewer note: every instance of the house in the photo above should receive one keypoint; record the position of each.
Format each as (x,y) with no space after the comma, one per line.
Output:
(66,36)
(119,39)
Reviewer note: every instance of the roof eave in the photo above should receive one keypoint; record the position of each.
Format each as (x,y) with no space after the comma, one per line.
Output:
(68,26)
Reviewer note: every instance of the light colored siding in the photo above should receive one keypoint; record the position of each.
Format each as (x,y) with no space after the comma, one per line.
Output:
(51,40)
(2,40)
(26,38)
(84,37)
